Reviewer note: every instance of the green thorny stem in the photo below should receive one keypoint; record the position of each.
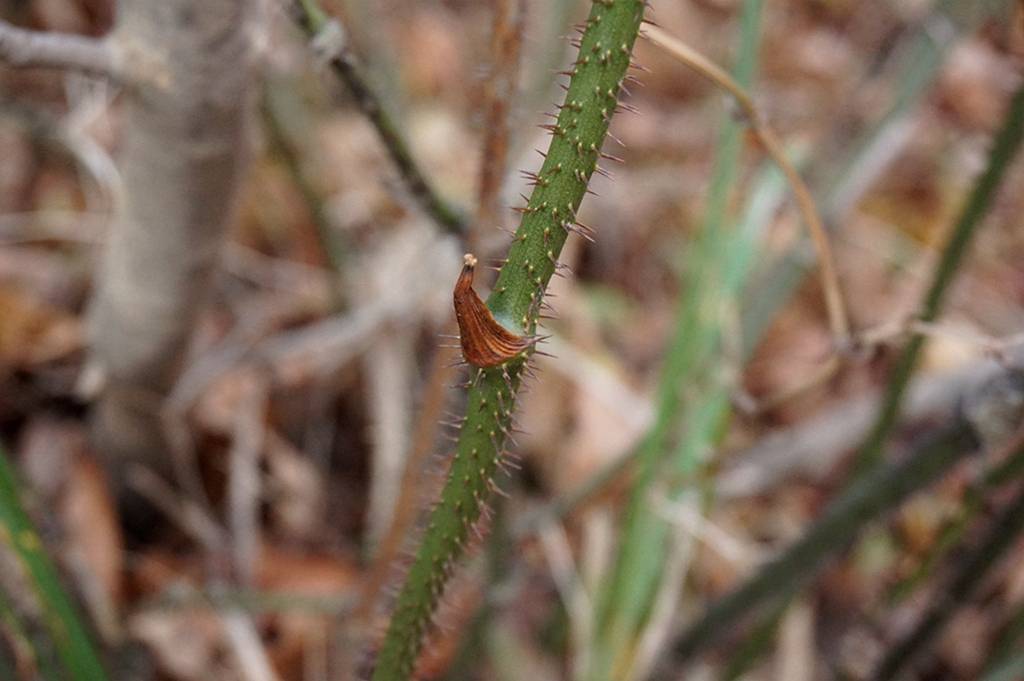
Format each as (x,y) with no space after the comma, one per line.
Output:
(605,51)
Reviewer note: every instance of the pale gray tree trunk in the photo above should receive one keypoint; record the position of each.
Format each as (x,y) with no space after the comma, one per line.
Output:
(182,158)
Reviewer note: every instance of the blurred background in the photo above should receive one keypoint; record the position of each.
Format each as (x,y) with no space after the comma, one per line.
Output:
(304,425)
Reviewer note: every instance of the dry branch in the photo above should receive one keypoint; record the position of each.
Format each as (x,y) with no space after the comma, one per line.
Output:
(25,48)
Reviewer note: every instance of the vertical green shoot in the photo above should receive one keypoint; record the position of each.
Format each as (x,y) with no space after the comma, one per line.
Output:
(719,262)
(1004,148)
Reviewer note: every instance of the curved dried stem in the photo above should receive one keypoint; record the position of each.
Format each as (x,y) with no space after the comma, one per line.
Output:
(499,98)
(837,314)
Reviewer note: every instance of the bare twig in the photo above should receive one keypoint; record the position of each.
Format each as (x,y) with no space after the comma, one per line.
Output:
(837,314)
(24,48)
(577,601)
(389,378)
(499,93)
(244,639)
(329,39)
(244,480)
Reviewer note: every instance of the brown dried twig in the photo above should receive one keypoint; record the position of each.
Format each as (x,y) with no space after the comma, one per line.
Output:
(837,314)
(499,92)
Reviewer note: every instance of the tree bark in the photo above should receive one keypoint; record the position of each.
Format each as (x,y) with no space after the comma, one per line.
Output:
(183,153)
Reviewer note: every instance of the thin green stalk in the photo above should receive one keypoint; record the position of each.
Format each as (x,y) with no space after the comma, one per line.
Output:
(999,399)
(577,136)
(70,638)
(925,55)
(973,503)
(1006,655)
(692,368)
(991,417)
(764,201)
(1004,147)
(1002,536)
(879,490)
(759,641)
(315,22)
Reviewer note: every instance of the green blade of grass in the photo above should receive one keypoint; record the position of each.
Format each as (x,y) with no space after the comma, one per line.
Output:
(989,419)
(1006,655)
(882,489)
(69,635)
(1004,148)
(692,368)
(768,193)
(955,594)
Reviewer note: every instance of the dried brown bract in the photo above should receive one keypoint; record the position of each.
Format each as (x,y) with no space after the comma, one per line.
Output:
(485,342)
